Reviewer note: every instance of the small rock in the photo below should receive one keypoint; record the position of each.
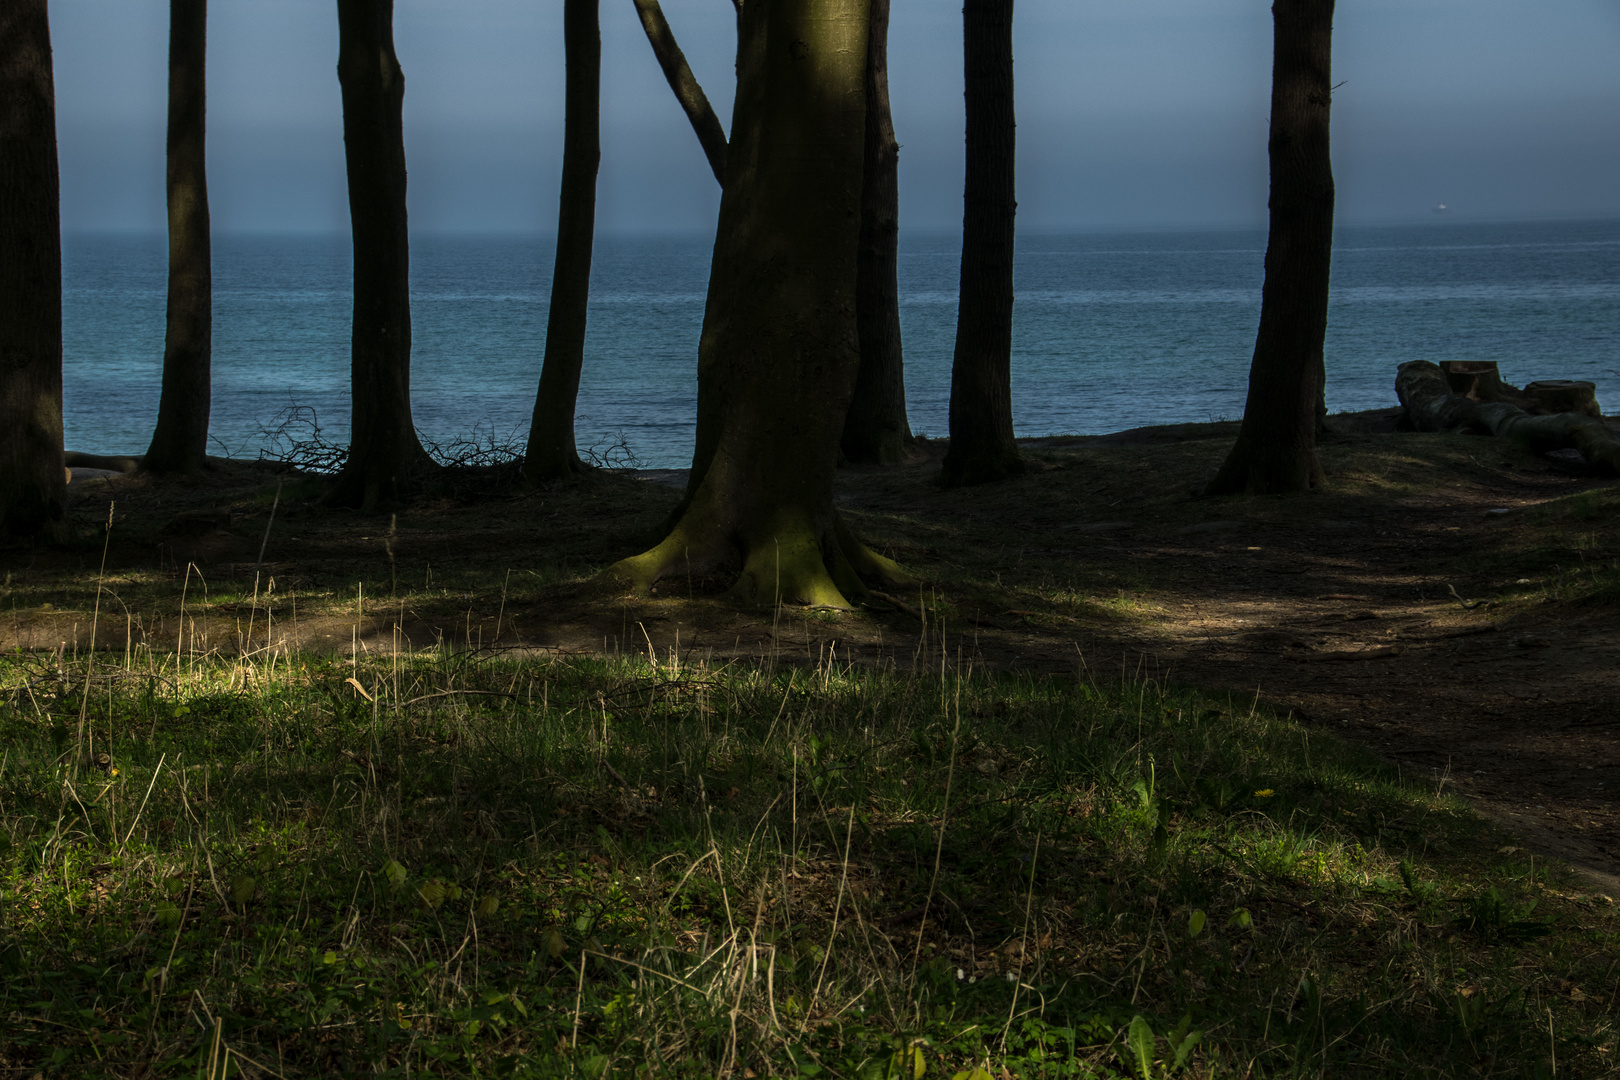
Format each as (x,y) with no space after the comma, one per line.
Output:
(1500,511)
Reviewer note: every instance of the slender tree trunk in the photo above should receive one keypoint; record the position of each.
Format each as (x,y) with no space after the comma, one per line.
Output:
(779,352)
(876,430)
(982,446)
(1276,446)
(385,456)
(551,453)
(694,102)
(180,441)
(33,489)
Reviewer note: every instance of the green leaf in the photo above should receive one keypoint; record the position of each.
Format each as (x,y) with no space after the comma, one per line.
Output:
(242,889)
(908,1063)
(973,1074)
(488,906)
(431,893)
(1182,1040)
(394,872)
(1195,924)
(1241,919)
(167,913)
(1140,1039)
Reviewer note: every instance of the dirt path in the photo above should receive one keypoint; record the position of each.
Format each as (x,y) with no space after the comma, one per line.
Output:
(1341,608)
(1337,605)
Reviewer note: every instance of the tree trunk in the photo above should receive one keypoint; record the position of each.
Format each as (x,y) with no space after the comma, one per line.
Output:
(876,431)
(982,447)
(1432,405)
(1276,446)
(778,356)
(551,452)
(694,102)
(180,441)
(33,487)
(385,456)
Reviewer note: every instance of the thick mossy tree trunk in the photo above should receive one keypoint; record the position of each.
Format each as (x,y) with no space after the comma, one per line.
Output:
(778,356)
(551,453)
(180,440)
(1276,446)
(693,101)
(876,431)
(982,445)
(33,488)
(385,457)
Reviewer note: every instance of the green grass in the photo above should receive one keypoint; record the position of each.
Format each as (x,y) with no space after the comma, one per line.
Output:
(459,864)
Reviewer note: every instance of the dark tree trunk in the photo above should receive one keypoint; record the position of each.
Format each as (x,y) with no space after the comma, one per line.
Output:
(876,430)
(982,447)
(551,453)
(33,489)
(1276,446)
(385,456)
(180,441)
(694,102)
(777,361)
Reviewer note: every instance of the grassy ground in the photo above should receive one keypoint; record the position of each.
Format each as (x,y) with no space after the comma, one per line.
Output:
(468,863)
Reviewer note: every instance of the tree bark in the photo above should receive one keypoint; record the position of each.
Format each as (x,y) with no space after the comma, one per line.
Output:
(1432,405)
(694,102)
(779,352)
(982,447)
(1276,446)
(180,440)
(33,486)
(385,457)
(877,431)
(551,451)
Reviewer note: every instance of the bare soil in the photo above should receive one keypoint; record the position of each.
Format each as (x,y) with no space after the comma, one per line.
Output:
(1451,602)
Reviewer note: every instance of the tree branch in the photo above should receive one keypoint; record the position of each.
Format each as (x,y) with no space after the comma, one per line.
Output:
(710,133)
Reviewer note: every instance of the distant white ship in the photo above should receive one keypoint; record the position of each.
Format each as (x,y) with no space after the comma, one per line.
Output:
(1439,208)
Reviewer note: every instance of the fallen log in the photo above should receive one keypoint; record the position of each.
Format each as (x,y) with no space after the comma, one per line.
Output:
(1432,406)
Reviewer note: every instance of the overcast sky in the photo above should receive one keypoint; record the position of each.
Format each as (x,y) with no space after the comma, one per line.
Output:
(1130,112)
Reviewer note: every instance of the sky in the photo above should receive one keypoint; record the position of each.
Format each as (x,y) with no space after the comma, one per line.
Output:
(1131,113)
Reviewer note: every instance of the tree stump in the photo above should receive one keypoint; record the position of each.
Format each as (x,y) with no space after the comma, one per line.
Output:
(1432,406)
(1550,396)
(1478,380)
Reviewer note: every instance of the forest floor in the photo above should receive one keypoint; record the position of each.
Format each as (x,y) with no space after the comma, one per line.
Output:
(1450,602)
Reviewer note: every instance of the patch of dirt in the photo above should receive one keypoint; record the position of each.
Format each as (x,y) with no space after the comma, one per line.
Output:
(1451,602)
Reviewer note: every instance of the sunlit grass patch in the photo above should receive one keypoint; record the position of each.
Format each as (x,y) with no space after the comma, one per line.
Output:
(453,864)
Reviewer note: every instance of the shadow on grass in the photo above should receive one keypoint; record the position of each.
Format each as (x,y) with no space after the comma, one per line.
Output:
(457,865)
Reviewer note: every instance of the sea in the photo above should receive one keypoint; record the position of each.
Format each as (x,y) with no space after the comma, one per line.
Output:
(1111,329)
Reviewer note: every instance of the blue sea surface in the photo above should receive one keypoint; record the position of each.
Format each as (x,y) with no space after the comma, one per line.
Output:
(1111,329)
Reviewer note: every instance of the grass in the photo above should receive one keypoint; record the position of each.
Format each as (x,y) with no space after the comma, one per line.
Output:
(465,863)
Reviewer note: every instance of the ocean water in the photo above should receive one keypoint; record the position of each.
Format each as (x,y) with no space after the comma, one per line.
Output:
(1111,329)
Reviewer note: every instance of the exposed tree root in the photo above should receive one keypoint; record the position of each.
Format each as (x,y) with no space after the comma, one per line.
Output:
(795,563)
